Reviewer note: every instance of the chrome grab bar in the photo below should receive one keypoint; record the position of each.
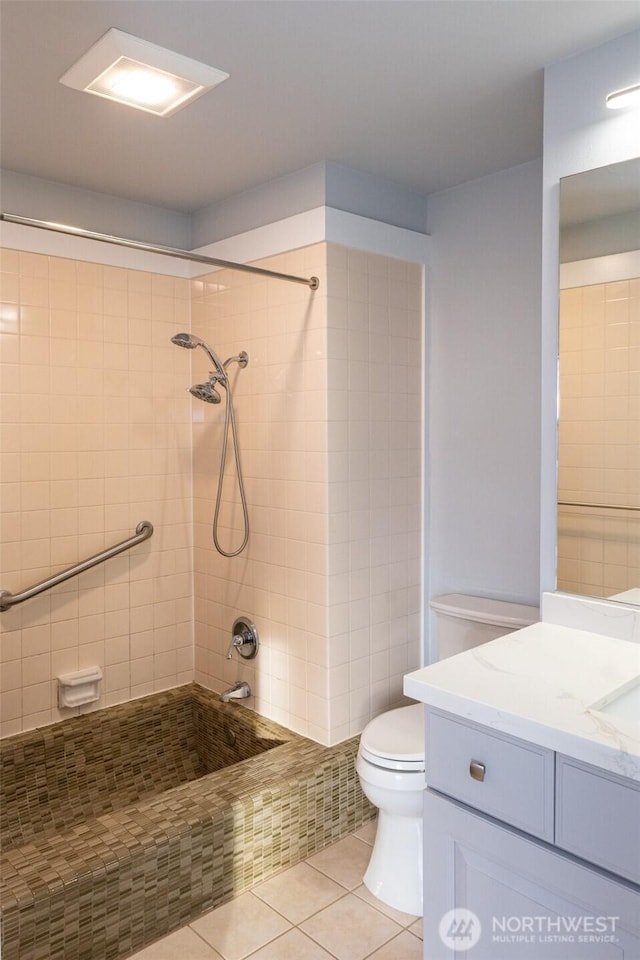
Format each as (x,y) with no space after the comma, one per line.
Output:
(7,600)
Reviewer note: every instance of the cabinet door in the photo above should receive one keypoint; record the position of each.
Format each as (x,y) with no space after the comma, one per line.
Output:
(529,901)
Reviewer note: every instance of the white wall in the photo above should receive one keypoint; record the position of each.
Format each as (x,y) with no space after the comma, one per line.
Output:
(580,133)
(483,406)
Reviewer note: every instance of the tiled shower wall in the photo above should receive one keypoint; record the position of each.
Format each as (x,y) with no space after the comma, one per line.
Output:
(95,437)
(599,438)
(280,580)
(329,413)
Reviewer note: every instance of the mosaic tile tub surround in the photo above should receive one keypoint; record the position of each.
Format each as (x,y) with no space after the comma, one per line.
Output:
(124,824)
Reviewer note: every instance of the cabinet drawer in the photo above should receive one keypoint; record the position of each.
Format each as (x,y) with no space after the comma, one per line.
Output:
(507,778)
(598,817)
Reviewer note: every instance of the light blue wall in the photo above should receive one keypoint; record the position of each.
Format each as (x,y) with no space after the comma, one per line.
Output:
(323,184)
(266,203)
(483,357)
(40,199)
(375,198)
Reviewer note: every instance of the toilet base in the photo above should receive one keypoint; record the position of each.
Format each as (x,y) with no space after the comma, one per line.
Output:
(394,874)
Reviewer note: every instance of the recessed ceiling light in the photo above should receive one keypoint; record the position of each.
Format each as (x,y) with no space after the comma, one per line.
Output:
(628,97)
(140,74)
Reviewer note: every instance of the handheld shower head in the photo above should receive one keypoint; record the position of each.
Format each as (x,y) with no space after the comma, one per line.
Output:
(190,342)
(185,340)
(209,393)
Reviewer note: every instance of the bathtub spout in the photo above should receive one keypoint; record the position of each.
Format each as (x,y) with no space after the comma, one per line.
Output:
(238,691)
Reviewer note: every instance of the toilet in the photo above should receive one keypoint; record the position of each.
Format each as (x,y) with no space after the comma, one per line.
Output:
(391,756)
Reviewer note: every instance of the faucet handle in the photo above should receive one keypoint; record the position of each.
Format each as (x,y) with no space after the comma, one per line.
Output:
(244,637)
(236,642)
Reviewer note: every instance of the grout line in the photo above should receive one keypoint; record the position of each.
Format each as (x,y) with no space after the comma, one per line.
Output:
(373,905)
(326,875)
(304,934)
(321,945)
(379,946)
(211,947)
(315,912)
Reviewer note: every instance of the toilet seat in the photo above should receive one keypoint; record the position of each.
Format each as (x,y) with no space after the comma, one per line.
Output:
(395,740)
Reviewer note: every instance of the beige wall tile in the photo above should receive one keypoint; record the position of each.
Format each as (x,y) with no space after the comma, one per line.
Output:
(81,481)
(598,440)
(104,439)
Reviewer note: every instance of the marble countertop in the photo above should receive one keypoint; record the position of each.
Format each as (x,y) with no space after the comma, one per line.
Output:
(543,684)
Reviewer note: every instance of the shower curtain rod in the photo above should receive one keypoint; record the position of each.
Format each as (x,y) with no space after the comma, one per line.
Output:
(311,282)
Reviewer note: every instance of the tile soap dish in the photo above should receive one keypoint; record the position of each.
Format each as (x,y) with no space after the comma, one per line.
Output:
(76,689)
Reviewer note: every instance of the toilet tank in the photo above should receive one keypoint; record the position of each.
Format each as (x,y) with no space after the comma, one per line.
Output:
(463,622)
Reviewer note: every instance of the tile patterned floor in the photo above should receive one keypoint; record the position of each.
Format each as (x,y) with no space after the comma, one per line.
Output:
(317,910)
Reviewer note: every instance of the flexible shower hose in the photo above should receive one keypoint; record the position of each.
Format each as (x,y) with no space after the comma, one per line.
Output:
(229,415)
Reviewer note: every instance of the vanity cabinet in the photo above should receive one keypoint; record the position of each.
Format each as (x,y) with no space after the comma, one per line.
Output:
(527,896)
(598,817)
(496,852)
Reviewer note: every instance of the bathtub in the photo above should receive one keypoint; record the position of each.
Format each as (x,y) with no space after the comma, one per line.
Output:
(123,824)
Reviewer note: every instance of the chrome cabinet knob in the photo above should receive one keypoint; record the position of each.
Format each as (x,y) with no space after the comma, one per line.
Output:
(477,770)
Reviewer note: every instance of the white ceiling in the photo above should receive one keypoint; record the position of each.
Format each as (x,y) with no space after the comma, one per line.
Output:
(428,94)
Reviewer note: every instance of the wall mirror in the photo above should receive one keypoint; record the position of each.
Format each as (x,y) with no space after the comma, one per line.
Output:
(599,384)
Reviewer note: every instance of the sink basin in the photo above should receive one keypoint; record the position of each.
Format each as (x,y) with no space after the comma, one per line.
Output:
(623,703)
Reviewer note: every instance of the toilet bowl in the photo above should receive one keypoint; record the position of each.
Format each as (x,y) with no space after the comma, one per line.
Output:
(390,764)
(391,755)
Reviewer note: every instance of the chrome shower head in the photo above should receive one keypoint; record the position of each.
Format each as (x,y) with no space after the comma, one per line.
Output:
(185,340)
(190,341)
(206,391)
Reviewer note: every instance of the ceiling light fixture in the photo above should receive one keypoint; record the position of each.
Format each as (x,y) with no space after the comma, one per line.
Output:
(628,97)
(140,74)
